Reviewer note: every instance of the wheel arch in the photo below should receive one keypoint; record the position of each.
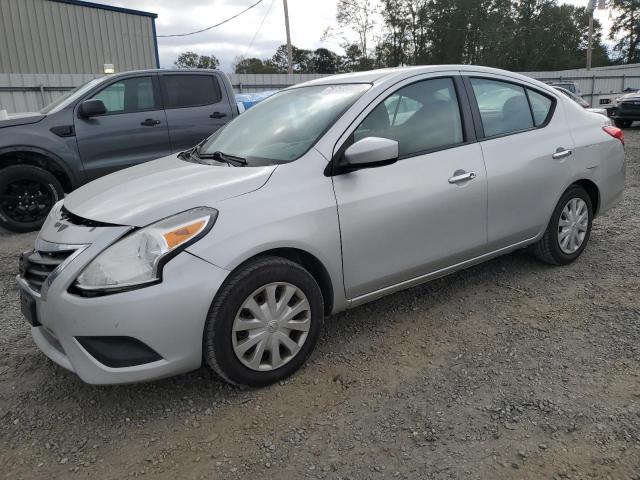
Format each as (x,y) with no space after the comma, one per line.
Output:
(310,263)
(37,157)
(592,190)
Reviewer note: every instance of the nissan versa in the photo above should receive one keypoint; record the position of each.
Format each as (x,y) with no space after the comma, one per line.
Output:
(323,197)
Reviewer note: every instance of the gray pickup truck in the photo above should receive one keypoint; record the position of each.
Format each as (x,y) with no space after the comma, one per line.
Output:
(106,124)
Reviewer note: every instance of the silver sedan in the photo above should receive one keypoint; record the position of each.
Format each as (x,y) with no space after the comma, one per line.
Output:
(323,197)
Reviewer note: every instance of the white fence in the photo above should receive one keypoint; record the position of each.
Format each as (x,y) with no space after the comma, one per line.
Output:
(31,92)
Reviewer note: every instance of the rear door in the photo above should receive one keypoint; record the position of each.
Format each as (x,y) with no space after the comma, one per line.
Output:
(425,212)
(196,106)
(134,129)
(528,152)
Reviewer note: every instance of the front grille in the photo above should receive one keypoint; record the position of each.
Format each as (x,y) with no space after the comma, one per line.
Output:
(36,266)
(635,105)
(74,219)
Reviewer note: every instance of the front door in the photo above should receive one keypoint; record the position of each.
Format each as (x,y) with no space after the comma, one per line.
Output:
(423,213)
(195,106)
(134,129)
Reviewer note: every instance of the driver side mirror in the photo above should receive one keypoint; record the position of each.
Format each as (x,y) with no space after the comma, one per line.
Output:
(370,152)
(92,108)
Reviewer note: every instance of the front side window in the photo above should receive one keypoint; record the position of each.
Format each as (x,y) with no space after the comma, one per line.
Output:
(128,96)
(190,90)
(283,127)
(421,117)
(503,106)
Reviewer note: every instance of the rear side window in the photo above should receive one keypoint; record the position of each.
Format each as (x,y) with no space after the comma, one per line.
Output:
(421,117)
(540,106)
(503,106)
(190,90)
(128,96)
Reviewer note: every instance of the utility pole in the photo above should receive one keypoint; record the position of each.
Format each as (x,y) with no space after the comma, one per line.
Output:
(286,24)
(591,8)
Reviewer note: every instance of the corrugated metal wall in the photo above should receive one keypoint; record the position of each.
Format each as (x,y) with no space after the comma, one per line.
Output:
(602,81)
(31,92)
(258,82)
(38,36)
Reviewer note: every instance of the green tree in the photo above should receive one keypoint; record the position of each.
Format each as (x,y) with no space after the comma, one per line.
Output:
(626,29)
(357,16)
(254,65)
(324,60)
(193,60)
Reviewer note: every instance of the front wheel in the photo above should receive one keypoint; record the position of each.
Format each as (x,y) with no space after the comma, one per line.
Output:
(264,322)
(27,193)
(569,229)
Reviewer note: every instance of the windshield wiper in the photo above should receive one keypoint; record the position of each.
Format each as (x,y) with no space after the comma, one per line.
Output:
(222,157)
(188,155)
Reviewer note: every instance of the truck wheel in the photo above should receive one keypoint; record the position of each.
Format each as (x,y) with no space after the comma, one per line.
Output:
(27,193)
(264,322)
(623,123)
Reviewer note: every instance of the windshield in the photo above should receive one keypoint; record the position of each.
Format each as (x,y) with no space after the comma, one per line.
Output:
(283,127)
(69,97)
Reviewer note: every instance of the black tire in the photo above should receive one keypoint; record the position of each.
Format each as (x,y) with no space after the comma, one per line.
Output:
(547,249)
(217,344)
(28,213)
(623,123)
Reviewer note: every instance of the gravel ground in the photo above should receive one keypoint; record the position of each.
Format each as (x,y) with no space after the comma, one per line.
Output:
(511,369)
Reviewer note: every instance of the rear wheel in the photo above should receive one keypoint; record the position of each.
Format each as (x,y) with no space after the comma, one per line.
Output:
(623,123)
(264,322)
(27,193)
(569,229)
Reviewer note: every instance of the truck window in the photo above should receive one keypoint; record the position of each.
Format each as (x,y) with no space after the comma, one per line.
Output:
(190,90)
(128,95)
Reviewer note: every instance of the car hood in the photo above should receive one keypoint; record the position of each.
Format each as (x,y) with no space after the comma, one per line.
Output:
(145,193)
(15,119)
(631,96)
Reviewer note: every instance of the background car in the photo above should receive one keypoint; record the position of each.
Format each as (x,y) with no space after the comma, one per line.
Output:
(626,109)
(567,85)
(107,124)
(581,101)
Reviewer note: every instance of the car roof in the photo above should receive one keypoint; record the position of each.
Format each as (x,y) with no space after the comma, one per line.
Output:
(385,74)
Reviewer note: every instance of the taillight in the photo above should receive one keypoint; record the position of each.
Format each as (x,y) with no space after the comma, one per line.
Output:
(615,132)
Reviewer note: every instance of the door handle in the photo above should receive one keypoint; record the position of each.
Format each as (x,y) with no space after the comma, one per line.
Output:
(217,115)
(150,122)
(460,176)
(562,153)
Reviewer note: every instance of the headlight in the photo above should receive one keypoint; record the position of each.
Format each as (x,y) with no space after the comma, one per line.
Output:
(137,259)
(616,101)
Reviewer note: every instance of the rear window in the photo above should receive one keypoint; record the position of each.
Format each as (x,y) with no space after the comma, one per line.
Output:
(190,90)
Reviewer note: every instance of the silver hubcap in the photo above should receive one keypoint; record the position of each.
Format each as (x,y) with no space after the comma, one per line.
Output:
(573,224)
(271,326)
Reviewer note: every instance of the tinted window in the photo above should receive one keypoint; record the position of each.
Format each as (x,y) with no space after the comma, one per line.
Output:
(420,117)
(190,90)
(504,107)
(127,96)
(540,105)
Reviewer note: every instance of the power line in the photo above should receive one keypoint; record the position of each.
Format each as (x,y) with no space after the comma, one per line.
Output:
(261,24)
(212,26)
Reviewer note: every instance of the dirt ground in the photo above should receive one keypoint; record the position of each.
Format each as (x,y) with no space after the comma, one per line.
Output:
(511,369)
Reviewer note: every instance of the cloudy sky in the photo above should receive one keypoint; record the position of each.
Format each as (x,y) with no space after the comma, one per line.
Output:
(257,33)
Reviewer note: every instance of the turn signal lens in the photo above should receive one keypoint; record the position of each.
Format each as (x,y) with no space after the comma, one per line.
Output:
(615,132)
(182,234)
